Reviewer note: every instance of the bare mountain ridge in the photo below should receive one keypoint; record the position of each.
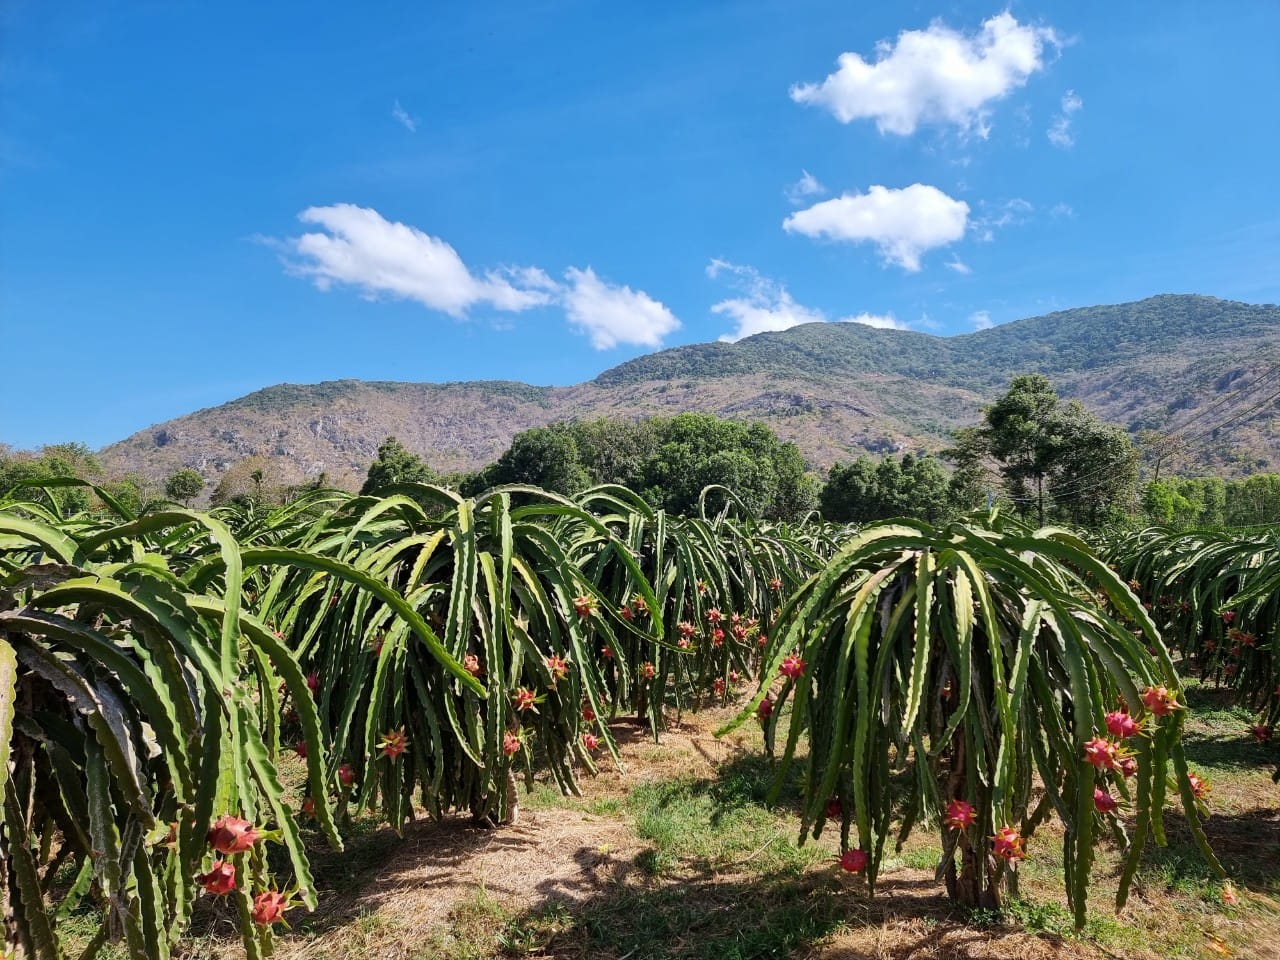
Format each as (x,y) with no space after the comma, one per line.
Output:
(837,390)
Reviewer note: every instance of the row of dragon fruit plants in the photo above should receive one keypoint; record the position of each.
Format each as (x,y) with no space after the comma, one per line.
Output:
(419,649)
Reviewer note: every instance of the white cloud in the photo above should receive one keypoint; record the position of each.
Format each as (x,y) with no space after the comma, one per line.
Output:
(612,314)
(981,320)
(1060,133)
(1063,210)
(902,224)
(880,322)
(766,305)
(402,116)
(1011,213)
(936,75)
(959,266)
(357,247)
(807,186)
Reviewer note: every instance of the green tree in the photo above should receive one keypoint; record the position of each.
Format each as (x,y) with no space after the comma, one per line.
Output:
(915,486)
(1095,476)
(133,491)
(668,460)
(1052,458)
(184,486)
(696,450)
(52,462)
(396,464)
(851,493)
(545,457)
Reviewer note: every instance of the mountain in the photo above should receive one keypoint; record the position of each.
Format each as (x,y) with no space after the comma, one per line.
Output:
(836,389)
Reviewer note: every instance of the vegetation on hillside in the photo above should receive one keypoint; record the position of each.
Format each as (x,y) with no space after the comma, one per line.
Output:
(835,390)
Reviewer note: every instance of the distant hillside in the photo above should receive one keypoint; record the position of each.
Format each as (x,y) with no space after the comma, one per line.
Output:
(836,389)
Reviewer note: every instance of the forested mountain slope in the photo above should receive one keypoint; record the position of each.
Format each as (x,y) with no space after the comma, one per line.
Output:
(836,389)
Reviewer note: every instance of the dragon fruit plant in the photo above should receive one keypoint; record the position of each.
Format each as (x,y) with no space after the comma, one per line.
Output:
(969,662)
(137,700)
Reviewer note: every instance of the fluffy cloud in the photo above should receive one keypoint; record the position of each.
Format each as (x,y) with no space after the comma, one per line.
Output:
(903,224)
(959,266)
(611,314)
(357,247)
(936,75)
(361,249)
(1060,133)
(403,118)
(981,320)
(764,305)
(807,186)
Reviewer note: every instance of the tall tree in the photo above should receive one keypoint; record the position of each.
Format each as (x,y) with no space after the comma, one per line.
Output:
(1053,458)
(545,457)
(395,463)
(184,486)
(252,482)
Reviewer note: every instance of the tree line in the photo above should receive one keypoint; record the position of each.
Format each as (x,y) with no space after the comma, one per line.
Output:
(1043,458)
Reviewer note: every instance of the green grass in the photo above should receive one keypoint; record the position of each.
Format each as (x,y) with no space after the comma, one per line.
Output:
(1102,928)
(480,928)
(704,826)
(725,878)
(544,796)
(710,920)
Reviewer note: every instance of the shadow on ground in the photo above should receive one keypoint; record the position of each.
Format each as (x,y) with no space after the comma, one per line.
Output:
(703,916)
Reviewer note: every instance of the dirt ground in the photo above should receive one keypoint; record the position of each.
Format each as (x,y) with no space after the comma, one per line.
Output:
(395,897)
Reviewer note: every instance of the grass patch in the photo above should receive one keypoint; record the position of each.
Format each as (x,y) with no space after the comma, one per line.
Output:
(544,796)
(480,928)
(1054,920)
(704,826)
(706,921)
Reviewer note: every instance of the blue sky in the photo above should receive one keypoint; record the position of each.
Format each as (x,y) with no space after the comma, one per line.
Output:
(198,200)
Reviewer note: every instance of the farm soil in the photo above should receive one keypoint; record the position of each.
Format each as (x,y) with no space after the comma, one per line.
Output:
(398,895)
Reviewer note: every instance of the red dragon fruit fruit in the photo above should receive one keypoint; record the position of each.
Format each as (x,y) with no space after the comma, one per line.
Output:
(1160,701)
(269,908)
(524,698)
(557,667)
(1101,753)
(1008,844)
(393,743)
(232,835)
(960,815)
(220,880)
(792,667)
(1121,724)
(854,861)
(1103,801)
